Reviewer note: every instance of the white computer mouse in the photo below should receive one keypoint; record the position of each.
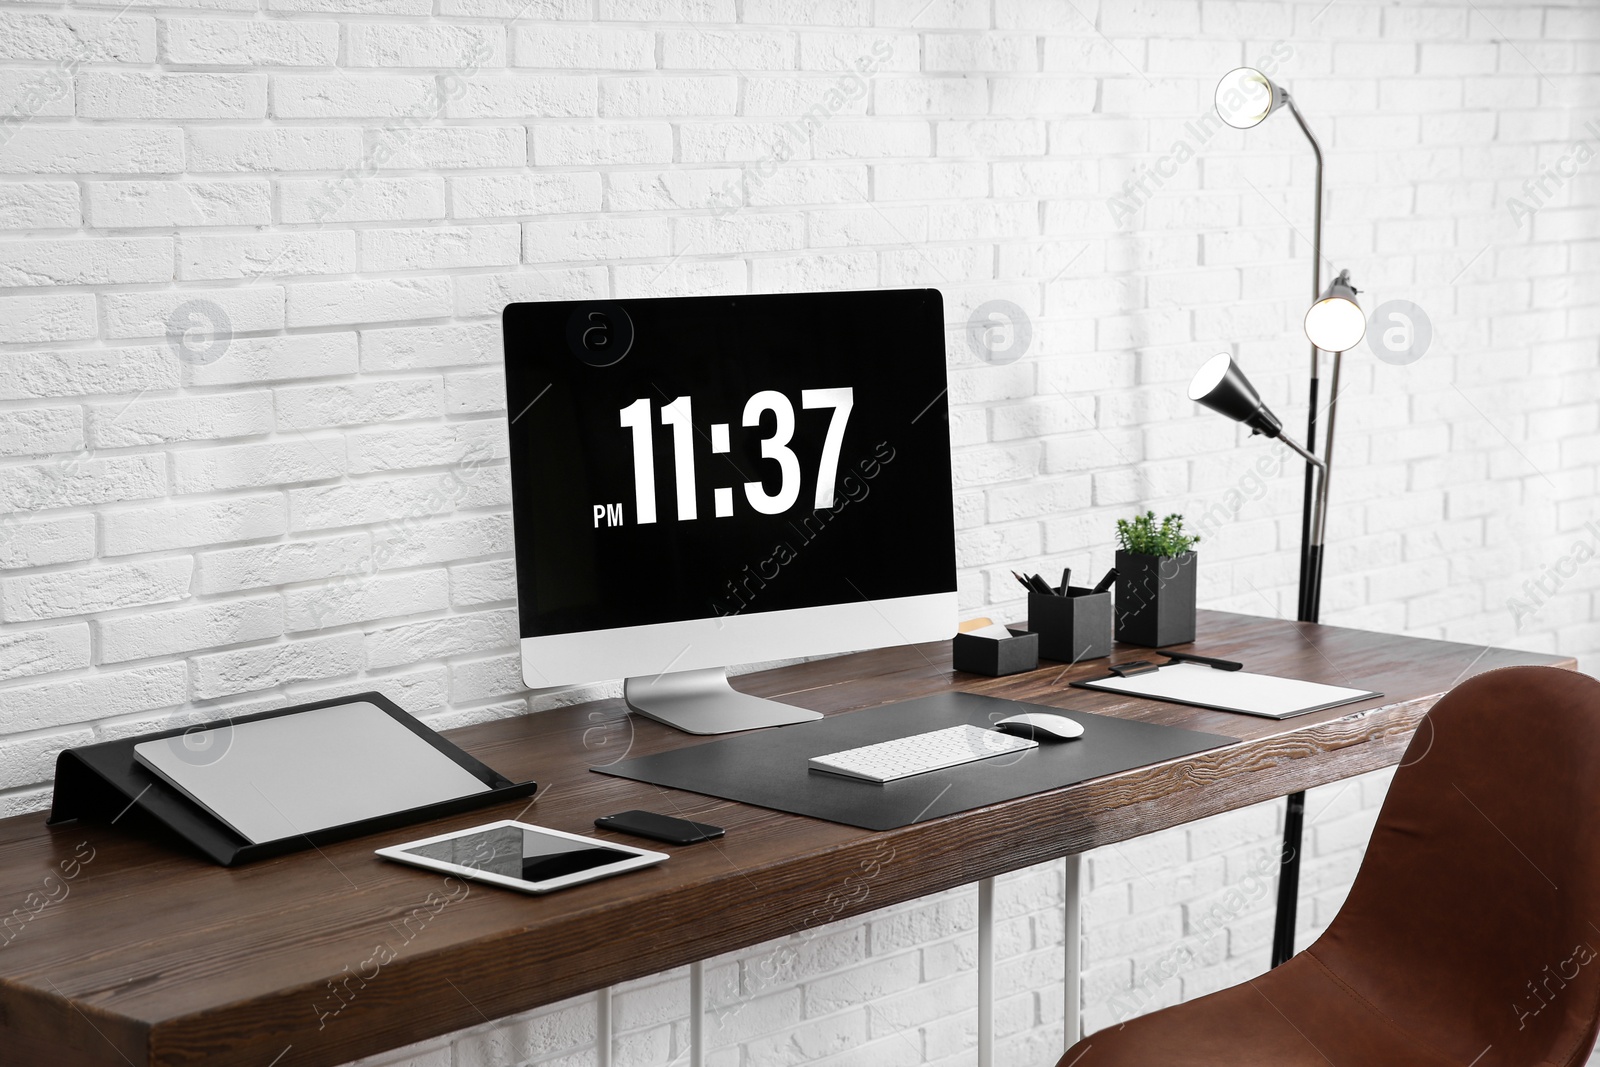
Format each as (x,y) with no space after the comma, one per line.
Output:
(1041,726)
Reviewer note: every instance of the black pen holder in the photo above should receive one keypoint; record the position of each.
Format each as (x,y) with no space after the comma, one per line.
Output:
(1074,627)
(995,656)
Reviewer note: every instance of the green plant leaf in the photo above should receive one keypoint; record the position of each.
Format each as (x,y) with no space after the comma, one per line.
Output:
(1141,535)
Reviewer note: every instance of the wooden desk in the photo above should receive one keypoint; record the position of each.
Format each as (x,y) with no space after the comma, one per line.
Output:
(154,957)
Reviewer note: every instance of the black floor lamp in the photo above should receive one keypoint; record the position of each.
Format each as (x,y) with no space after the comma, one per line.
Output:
(1333,323)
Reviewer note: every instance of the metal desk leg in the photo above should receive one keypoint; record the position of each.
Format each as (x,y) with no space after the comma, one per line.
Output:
(602,1028)
(1288,879)
(697,1014)
(1072,1009)
(986,973)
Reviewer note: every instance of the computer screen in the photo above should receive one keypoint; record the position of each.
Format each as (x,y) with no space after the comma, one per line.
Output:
(725,460)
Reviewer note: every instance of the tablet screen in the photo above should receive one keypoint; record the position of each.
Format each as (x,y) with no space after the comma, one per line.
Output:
(520,852)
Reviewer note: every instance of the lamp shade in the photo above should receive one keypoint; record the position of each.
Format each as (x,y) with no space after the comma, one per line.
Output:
(1221,386)
(1245,97)
(1336,322)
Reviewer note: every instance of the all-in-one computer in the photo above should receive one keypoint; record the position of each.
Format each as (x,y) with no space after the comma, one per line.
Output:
(699,482)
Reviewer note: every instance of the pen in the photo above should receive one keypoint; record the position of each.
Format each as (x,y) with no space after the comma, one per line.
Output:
(1039,585)
(1066,579)
(1105,583)
(1210,661)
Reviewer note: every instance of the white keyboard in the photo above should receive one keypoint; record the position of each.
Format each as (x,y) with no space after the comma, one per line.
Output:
(903,757)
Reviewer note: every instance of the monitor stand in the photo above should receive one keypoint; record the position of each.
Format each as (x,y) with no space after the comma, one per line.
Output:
(702,702)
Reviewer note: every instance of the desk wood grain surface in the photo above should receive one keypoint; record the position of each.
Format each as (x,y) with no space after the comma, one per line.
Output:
(117,949)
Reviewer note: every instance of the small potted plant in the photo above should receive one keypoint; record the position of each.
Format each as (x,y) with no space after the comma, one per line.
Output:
(1155,581)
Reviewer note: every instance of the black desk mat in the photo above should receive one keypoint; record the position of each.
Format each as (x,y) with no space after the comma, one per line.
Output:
(768,767)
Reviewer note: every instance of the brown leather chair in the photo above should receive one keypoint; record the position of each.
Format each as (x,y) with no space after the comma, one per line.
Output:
(1472,934)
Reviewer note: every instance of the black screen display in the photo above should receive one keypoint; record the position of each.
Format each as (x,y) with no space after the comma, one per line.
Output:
(519,853)
(692,457)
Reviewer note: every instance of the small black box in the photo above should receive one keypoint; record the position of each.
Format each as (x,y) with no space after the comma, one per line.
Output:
(1074,627)
(995,655)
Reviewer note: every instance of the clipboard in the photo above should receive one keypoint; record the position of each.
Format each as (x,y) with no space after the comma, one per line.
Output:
(1223,685)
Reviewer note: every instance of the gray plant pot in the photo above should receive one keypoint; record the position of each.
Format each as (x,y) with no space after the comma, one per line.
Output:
(1155,599)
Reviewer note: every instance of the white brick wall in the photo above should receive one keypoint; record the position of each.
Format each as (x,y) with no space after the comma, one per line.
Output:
(252,257)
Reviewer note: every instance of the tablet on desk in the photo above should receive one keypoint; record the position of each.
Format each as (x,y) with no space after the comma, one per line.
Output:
(288,775)
(516,855)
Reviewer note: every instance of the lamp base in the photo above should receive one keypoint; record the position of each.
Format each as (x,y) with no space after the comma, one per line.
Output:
(1288,880)
(1311,584)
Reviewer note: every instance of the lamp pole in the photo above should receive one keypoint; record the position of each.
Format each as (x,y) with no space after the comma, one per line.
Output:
(1310,577)
(1310,584)
(1245,97)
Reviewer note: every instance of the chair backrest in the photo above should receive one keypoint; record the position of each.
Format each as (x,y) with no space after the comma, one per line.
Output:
(1475,920)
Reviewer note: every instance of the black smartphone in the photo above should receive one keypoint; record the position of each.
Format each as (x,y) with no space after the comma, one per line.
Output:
(659,827)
